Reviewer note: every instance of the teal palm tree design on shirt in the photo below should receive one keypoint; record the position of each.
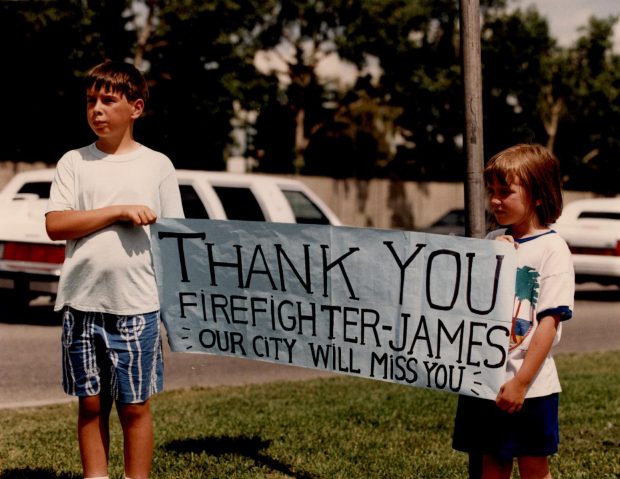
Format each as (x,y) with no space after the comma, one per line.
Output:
(526,289)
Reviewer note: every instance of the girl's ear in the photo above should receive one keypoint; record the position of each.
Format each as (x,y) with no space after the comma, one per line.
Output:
(138,108)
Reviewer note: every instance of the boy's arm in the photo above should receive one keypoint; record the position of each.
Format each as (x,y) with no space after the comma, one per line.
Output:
(512,394)
(73,224)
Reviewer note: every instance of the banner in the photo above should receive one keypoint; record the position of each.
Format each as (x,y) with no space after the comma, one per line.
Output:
(420,309)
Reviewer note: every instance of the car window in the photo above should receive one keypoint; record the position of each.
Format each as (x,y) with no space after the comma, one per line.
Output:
(304,209)
(38,188)
(192,204)
(600,215)
(452,218)
(239,203)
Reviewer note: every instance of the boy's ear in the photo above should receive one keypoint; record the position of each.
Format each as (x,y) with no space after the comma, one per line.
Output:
(138,108)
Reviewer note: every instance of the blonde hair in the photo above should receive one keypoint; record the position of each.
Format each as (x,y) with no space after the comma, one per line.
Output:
(537,170)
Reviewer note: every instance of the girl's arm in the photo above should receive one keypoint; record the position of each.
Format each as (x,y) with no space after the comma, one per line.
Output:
(72,224)
(512,393)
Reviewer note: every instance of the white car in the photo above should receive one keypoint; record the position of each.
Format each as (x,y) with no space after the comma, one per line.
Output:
(591,228)
(30,262)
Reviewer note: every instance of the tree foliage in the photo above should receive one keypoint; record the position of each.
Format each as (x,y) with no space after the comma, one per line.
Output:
(589,131)
(254,65)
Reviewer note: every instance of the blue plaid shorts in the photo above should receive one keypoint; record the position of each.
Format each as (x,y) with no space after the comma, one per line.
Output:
(111,354)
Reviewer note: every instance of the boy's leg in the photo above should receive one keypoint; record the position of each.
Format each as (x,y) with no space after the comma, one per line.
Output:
(94,434)
(136,353)
(534,467)
(137,425)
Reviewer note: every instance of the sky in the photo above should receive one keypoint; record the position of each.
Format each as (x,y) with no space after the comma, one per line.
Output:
(566,16)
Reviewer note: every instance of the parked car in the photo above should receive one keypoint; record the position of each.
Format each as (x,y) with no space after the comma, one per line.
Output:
(591,228)
(30,262)
(453,223)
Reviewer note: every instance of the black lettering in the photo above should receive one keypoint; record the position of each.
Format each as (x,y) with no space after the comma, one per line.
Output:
(320,355)
(442,330)
(213,264)
(429,267)
(258,251)
(305,283)
(403,266)
(473,343)
(234,300)
(498,267)
(381,361)
(219,301)
(180,237)
(502,350)
(422,333)
(182,302)
(338,262)
(392,344)
(372,325)
(332,310)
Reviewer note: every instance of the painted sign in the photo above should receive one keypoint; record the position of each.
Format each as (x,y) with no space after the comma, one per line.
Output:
(425,310)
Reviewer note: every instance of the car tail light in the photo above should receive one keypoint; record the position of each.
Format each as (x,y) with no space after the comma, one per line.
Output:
(618,248)
(34,253)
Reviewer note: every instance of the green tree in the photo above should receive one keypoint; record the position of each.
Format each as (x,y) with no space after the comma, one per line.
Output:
(296,34)
(47,46)
(199,64)
(588,82)
(515,51)
(416,43)
(406,123)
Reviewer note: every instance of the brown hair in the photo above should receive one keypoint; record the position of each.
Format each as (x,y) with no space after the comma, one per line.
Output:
(118,77)
(538,171)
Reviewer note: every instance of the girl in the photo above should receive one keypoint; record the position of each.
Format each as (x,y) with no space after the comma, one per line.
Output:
(523,184)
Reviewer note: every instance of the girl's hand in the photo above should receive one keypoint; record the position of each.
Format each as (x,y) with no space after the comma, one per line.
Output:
(507,239)
(511,396)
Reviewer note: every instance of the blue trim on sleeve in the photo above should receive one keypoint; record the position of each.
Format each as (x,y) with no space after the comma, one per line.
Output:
(564,312)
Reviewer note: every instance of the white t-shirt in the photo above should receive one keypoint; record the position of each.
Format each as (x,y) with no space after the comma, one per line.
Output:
(111,270)
(545,285)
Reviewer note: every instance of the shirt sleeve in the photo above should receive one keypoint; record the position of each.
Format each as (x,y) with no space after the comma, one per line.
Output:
(557,284)
(171,205)
(62,191)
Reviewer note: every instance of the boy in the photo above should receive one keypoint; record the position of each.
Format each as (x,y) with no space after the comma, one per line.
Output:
(102,200)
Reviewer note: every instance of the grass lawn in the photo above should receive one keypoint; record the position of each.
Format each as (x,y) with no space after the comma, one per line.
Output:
(328,428)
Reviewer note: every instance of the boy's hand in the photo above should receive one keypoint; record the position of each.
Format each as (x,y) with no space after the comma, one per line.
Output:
(139,215)
(511,396)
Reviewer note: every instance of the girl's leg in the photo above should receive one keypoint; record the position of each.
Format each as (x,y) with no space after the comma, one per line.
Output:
(534,467)
(475,465)
(94,434)
(137,425)
(494,468)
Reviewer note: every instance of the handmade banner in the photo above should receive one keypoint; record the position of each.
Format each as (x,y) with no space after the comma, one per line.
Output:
(414,308)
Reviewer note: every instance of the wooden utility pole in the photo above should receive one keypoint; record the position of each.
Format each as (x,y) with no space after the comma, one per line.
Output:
(472,80)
